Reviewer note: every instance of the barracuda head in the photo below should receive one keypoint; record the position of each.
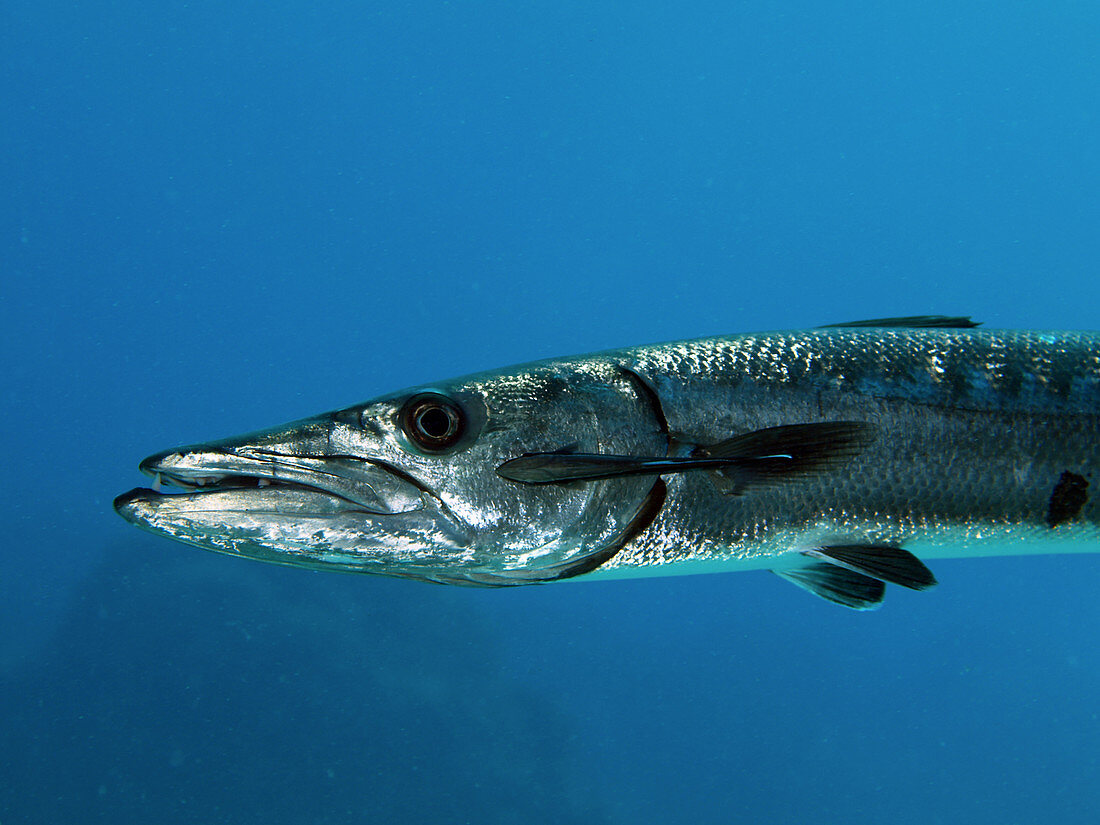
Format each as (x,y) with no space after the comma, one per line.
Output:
(406,485)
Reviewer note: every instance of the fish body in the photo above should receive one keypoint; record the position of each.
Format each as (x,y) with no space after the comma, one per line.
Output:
(833,456)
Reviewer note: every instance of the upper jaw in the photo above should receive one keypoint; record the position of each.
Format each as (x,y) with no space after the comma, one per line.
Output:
(361,483)
(305,455)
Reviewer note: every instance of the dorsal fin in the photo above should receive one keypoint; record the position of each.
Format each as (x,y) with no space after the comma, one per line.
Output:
(914,322)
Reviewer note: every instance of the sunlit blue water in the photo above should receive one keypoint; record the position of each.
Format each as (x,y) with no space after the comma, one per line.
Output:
(219,217)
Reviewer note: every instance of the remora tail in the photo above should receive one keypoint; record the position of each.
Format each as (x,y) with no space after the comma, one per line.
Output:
(836,457)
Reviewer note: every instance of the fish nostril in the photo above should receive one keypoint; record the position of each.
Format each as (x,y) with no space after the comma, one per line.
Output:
(157,462)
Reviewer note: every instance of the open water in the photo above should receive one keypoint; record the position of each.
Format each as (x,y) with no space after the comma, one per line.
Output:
(220,216)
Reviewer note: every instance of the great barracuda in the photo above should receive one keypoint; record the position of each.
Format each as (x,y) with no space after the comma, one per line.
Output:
(833,456)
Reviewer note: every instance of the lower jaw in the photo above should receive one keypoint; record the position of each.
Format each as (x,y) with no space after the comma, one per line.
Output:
(142,505)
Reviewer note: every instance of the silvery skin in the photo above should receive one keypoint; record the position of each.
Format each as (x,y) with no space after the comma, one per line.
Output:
(836,457)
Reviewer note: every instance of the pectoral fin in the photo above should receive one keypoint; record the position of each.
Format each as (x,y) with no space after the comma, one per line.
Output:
(837,585)
(880,561)
(854,575)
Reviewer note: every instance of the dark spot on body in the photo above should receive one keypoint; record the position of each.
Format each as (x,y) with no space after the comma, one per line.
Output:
(1068,497)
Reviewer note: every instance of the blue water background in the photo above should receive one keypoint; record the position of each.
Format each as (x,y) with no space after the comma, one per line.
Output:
(217,217)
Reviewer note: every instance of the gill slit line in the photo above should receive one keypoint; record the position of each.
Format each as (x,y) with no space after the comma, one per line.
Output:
(648,392)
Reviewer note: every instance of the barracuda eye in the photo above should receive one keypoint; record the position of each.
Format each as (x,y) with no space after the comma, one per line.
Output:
(432,422)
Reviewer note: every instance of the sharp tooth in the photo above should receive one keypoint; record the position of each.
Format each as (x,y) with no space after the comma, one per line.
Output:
(157,485)
(263,482)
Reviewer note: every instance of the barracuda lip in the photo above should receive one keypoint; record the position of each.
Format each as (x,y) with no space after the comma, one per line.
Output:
(238,495)
(206,484)
(256,475)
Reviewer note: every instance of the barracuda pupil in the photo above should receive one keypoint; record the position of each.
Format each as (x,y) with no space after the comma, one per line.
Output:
(433,422)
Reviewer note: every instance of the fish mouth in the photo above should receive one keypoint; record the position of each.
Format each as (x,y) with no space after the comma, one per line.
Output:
(322,510)
(343,482)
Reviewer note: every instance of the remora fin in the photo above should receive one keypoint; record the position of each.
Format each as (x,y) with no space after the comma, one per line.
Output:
(761,456)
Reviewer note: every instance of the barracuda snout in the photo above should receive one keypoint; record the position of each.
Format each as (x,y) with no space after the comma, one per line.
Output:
(303,494)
